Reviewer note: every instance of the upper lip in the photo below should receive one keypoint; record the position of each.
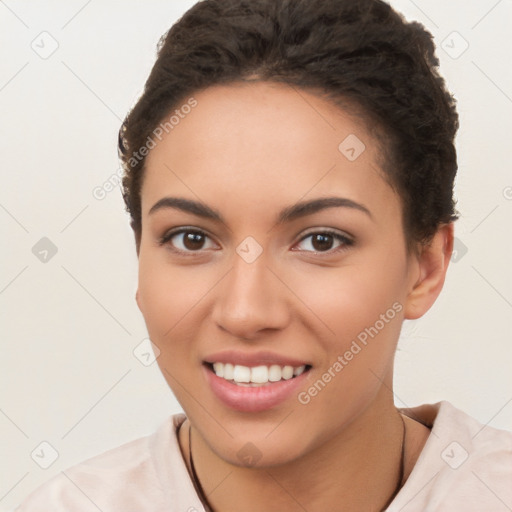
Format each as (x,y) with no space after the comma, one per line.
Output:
(253,359)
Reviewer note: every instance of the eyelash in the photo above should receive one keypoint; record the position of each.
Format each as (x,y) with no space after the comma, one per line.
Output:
(344,240)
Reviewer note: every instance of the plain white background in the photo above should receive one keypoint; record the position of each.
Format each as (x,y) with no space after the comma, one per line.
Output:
(70,325)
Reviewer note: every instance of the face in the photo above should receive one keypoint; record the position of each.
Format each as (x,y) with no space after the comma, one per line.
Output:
(271,254)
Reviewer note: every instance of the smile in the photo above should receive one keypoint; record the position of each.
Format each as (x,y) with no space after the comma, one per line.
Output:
(257,385)
(257,375)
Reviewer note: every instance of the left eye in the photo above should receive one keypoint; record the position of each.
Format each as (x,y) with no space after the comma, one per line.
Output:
(324,241)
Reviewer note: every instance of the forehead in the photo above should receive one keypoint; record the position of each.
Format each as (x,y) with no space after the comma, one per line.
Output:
(269,140)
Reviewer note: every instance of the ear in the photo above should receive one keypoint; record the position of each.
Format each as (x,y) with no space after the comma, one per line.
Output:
(431,264)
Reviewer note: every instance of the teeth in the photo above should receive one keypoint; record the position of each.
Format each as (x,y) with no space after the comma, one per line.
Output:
(274,373)
(297,371)
(242,374)
(287,372)
(229,371)
(257,374)
(218,368)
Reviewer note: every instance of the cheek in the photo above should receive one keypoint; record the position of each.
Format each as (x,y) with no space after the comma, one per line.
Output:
(170,301)
(362,307)
(361,304)
(169,295)
(353,297)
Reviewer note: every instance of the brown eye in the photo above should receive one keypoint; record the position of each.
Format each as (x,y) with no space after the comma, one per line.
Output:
(193,241)
(324,241)
(321,242)
(187,240)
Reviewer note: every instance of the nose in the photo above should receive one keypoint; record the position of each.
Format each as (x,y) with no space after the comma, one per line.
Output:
(251,301)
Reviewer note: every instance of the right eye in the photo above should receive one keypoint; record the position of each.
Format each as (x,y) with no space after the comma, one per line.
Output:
(187,240)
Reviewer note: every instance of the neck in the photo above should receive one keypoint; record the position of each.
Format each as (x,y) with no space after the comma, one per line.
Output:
(369,450)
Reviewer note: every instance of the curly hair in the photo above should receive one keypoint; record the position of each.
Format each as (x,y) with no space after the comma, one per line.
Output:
(360,54)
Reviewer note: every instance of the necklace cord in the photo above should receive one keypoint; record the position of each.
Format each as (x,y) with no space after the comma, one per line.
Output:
(197,483)
(402,468)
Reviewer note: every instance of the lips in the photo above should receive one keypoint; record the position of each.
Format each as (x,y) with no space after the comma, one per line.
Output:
(254,382)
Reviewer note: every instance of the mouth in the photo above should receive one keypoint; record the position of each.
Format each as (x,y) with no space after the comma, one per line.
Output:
(259,385)
(256,376)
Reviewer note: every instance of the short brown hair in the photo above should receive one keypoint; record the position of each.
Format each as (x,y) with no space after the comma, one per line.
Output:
(357,52)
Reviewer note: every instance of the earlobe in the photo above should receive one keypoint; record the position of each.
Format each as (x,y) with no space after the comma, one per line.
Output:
(432,261)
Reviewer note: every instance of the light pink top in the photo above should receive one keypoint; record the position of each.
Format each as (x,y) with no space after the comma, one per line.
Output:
(464,466)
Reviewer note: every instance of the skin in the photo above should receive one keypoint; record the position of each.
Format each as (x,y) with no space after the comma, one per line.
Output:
(248,151)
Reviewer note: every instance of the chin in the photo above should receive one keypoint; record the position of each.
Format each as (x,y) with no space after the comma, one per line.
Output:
(253,446)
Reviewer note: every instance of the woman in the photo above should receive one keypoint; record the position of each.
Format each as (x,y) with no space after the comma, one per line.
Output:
(289,175)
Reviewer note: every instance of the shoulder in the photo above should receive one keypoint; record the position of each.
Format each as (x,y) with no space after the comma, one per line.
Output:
(464,465)
(131,477)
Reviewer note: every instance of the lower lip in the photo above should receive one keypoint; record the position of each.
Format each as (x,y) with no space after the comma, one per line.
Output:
(253,399)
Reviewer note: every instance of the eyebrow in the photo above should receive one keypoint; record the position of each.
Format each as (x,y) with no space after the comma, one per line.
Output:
(288,214)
